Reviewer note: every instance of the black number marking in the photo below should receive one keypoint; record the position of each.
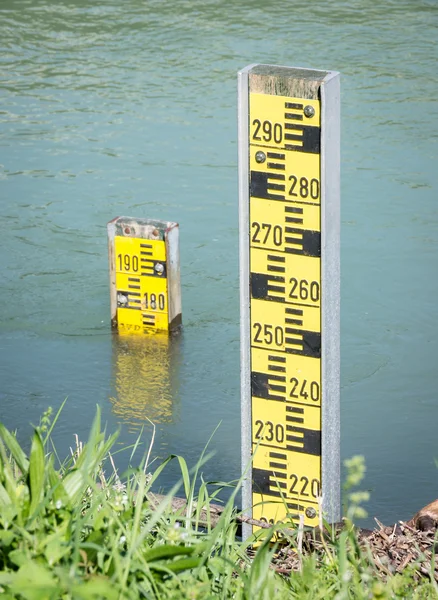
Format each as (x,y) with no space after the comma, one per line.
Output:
(278,235)
(315,488)
(268,227)
(278,133)
(270,435)
(304,389)
(271,432)
(258,329)
(257,124)
(279,336)
(306,187)
(127,262)
(258,435)
(267,130)
(278,535)
(294,479)
(270,131)
(150,302)
(274,233)
(314,189)
(300,486)
(292,187)
(305,289)
(257,228)
(294,382)
(294,283)
(279,433)
(303,392)
(314,291)
(314,391)
(271,334)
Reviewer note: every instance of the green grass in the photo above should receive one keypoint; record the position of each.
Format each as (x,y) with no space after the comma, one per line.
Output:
(68,530)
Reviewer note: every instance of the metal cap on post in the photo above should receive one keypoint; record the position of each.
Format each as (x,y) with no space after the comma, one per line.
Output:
(145,283)
(289,199)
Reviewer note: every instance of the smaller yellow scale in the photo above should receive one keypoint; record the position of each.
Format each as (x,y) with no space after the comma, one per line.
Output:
(141,284)
(145,277)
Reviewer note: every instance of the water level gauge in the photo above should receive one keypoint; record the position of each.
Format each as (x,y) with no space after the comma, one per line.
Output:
(289,272)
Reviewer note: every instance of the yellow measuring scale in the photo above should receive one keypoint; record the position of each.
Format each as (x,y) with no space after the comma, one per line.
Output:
(286,296)
(144,275)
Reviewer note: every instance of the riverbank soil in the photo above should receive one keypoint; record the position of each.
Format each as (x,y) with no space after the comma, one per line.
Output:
(390,549)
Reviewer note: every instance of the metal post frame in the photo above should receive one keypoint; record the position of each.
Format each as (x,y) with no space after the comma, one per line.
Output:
(289,220)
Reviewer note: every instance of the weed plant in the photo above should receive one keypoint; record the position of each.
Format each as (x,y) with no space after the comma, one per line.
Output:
(66,531)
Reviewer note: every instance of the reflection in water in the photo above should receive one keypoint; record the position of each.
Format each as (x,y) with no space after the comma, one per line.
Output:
(143,377)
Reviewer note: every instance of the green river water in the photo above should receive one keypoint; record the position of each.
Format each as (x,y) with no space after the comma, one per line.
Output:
(129,108)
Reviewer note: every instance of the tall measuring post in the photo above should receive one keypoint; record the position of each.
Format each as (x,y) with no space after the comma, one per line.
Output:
(289,199)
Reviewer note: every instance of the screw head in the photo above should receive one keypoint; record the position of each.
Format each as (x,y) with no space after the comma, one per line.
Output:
(310,512)
(159,268)
(309,111)
(260,157)
(122,300)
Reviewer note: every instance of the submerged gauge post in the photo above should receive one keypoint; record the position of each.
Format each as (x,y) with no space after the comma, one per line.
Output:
(289,214)
(145,282)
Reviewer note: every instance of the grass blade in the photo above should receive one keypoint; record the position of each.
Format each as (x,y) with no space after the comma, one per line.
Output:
(74,484)
(185,475)
(54,422)
(167,551)
(36,472)
(15,449)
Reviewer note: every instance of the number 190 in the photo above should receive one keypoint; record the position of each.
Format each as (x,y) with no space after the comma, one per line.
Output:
(127,262)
